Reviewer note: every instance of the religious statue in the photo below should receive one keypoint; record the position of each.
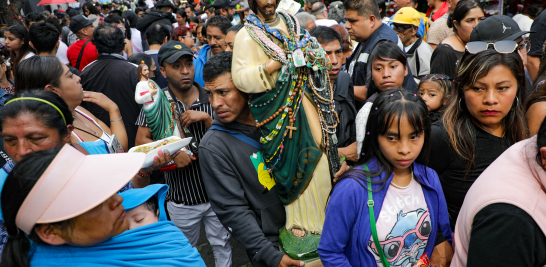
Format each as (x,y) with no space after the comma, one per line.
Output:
(285,71)
(156,106)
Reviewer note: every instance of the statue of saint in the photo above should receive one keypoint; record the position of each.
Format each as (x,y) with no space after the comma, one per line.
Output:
(156,106)
(285,71)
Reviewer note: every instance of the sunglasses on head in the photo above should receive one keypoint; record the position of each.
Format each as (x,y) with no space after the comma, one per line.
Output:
(503,47)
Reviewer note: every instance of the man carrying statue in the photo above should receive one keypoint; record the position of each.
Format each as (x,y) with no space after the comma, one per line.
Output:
(285,72)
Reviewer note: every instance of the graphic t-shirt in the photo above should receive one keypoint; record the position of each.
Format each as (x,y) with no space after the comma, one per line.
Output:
(403,226)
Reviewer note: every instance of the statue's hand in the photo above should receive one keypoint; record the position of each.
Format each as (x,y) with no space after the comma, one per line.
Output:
(287,261)
(153,91)
(272,65)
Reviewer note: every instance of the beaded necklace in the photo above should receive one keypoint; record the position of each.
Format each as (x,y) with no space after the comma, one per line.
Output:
(314,73)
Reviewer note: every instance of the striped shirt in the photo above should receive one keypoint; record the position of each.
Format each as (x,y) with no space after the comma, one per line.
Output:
(186,184)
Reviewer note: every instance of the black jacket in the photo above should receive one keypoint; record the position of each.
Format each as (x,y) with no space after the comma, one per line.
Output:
(115,78)
(344,98)
(252,214)
(149,18)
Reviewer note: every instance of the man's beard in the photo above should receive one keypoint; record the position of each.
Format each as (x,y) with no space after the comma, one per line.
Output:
(175,85)
(265,12)
(147,76)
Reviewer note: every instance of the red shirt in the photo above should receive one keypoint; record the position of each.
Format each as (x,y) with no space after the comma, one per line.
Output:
(89,54)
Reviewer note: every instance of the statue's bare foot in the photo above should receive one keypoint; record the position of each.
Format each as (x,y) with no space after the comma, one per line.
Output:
(298,232)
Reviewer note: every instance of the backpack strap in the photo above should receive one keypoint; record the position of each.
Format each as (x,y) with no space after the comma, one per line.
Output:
(239,136)
(80,55)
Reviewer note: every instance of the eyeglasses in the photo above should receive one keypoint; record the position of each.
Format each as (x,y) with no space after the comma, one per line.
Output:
(524,47)
(503,47)
(401,28)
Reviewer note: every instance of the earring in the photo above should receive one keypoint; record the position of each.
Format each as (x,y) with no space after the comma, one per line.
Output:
(461,109)
(517,103)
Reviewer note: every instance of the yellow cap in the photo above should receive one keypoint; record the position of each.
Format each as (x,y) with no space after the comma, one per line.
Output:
(407,15)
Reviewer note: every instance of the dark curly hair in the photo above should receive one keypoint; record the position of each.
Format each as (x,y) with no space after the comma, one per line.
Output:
(216,66)
(108,39)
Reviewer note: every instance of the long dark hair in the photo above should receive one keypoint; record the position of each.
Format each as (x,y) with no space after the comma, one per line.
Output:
(461,10)
(37,72)
(541,142)
(20,32)
(459,123)
(18,185)
(541,71)
(382,50)
(92,9)
(388,109)
(42,111)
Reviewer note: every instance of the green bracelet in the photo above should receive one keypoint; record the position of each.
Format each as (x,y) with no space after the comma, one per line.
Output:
(341,159)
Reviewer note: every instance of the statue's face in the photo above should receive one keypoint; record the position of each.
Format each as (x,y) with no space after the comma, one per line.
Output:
(146,72)
(266,8)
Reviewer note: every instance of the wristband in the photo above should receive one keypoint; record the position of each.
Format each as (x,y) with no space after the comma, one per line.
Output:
(117,119)
(143,175)
(170,167)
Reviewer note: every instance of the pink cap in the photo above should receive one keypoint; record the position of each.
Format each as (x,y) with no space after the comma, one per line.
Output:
(74,184)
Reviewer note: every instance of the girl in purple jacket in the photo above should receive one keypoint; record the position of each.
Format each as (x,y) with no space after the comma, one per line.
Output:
(389,210)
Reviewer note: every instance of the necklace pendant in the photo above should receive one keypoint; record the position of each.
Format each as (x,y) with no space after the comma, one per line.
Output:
(298,58)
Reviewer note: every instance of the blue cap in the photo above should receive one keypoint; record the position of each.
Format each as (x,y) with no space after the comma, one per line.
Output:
(136,197)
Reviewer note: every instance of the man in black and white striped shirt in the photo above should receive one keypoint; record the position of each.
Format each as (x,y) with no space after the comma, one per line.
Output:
(187,200)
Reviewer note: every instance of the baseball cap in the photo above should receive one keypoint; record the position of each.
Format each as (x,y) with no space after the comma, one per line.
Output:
(172,51)
(407,15)
(75,183)
(496,28)
(78,22)
(224,3)
(138,196)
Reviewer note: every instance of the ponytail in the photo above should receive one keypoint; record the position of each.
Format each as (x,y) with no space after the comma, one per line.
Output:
(16,188)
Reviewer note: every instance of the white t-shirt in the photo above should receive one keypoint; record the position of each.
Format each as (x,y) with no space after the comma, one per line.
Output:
(61,53)
(403,226)
(137,40)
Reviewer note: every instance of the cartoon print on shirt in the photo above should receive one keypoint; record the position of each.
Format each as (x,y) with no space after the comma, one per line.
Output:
(407,239)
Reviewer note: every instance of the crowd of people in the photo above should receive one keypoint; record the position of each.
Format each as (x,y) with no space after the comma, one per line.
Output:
(416,138)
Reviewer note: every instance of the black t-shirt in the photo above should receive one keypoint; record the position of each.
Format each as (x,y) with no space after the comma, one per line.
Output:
(444,60)
(451,167)
(538,35)
(504,235)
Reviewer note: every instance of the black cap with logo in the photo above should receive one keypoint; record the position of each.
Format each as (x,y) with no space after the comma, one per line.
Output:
(224,3)
(496,28)
(172,51)
(78,22)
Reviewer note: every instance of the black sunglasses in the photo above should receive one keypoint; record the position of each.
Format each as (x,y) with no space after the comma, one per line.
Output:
(503,47)
(401,27)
